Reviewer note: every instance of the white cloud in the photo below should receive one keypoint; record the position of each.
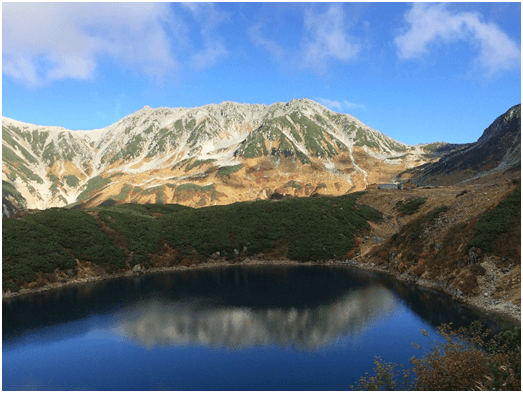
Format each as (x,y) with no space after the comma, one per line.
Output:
(352,105)
(325,38)
(208,18)
(430,23)
(208,57)
(271,46)
(332,104)
(45,42)
(339,106)
(69,38)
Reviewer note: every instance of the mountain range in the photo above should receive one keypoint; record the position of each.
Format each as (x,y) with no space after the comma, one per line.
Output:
(495,155)
(220,154)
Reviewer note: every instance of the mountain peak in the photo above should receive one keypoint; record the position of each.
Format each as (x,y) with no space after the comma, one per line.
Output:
(507,122)
(232,151)
(496,154)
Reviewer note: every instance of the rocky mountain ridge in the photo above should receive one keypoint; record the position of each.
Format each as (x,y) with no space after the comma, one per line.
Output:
(496,154)
(215,154)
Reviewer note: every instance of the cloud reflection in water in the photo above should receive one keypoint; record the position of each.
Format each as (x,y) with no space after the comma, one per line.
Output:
(162,323)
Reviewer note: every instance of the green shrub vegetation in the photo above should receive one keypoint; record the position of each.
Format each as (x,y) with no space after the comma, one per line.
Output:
(152,190)
(197,163)
(253,146)
(10,155)
(433,146)
(293,184)
(53,239)
(126,189)
(302,229)
(229,170)
(461,193)
(188,187)
(313,228)
(341,145)
(49,153)
(412,206)
(427,219)
(500,219)
(9,190)
(132,149)
(6,135)
(148,130)
(435,213)
(314,137)
(38,139)
(286,146)
(71,180)
(208,187)
(94,184)
(364,139)
(30,174)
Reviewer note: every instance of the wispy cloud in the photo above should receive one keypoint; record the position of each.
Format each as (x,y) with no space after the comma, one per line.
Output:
(340,106)
(433,23)
(45,42)
(325,38)
(271,46)
(208,18)
(118,105)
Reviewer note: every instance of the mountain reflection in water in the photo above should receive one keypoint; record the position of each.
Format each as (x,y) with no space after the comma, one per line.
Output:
(158,322)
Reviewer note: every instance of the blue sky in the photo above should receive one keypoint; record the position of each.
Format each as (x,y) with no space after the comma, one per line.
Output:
(418,72)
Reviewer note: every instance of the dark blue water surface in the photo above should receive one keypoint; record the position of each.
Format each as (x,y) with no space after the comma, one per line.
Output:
(230,328)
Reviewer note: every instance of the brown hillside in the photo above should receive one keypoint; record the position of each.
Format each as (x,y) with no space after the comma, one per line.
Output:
(436,252)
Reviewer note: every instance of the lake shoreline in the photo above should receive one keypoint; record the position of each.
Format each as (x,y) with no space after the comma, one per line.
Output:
(505,310)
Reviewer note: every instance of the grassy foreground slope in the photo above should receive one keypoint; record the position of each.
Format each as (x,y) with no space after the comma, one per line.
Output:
(55,244)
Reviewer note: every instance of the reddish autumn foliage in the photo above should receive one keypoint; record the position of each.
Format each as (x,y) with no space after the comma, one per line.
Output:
(471,223)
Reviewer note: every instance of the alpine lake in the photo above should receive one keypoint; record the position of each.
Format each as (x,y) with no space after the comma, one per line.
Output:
(250,327)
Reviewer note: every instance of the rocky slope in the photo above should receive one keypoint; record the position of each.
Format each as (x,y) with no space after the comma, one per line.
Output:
(496,154)
(441,244)
(215,154)
(12,201)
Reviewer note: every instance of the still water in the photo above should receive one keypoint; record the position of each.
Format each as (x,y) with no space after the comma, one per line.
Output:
(229,328)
